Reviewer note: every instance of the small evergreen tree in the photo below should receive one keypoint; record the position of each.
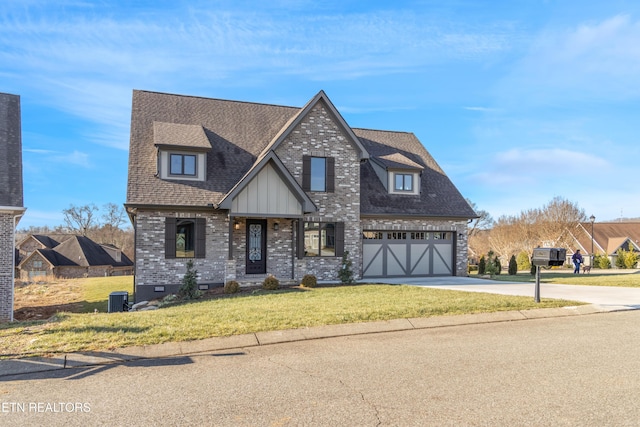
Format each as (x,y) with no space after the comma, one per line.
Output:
(601,261)
(620,258)
(345,273)
(189,286)
(523,261)
(631,259)
(482,266)
(513,266)
(497,267)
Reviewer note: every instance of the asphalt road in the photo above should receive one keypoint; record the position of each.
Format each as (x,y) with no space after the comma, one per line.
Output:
(568,371)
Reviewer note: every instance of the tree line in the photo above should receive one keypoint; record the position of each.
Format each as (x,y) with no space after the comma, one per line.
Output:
(548,226)
(107,225)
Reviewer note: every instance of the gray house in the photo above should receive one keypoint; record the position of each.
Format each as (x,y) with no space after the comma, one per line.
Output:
(11,202)
(246,190)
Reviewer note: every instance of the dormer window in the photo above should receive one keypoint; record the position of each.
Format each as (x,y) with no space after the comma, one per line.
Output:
(182,164)
(182,151)
(398,173)
(403,182)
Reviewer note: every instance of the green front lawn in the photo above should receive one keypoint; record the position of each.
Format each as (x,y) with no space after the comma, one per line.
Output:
(244,313)
(621,278)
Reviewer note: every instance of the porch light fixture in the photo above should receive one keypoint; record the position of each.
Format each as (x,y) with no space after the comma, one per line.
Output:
(236,225)
(276,226)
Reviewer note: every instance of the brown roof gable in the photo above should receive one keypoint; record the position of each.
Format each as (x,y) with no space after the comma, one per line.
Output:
(241,133)
(607,236)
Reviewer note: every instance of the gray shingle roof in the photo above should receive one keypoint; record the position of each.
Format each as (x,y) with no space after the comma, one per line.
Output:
(240,132)
(179,135)
(10,151)
(237,131)
(85,252)
(439,197)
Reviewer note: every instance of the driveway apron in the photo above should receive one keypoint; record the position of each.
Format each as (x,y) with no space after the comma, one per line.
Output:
(606,296)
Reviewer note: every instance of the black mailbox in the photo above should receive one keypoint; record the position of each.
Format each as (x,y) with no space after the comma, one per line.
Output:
(549,256)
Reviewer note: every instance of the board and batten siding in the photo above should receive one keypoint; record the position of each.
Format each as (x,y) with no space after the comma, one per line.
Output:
(266,194)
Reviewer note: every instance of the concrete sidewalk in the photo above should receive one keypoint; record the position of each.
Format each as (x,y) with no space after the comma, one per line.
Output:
(10,368)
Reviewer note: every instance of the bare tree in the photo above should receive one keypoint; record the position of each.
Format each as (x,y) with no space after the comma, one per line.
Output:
(113,215)
(555,218)
(80,219)
(483,222)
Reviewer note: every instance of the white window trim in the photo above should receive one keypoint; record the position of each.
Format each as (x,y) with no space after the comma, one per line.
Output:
(392,182)
(165,165)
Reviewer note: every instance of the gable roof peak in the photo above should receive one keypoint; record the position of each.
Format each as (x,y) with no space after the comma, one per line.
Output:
(297,118)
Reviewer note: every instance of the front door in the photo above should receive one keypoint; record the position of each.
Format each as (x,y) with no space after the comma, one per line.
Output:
(256,246)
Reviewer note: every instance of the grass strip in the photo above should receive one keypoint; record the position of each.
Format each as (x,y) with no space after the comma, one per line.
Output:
(248,313)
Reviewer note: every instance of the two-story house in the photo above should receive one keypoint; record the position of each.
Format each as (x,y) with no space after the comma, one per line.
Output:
(11,197)
(246,190)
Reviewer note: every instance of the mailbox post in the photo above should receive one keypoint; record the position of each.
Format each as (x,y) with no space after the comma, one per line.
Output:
(546,257)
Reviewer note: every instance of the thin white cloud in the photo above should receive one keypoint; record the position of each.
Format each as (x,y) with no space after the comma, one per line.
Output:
(538,168)
(45,157)
(593,62)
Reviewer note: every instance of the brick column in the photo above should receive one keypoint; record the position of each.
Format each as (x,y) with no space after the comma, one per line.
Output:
(6,266)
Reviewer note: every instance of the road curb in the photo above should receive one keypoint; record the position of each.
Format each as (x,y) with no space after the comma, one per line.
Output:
(13,367)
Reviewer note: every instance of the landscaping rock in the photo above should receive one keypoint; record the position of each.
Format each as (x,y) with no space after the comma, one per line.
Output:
(139,305)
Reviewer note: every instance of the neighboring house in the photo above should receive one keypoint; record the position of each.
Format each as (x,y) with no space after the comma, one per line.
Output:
(76,256)
(246,190)
(32,242)
(608,237)
(11,196)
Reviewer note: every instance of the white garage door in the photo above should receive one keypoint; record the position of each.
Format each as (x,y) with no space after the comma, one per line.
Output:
(407,253)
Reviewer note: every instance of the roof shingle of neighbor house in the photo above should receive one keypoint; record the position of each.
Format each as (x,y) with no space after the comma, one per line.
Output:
(240,133)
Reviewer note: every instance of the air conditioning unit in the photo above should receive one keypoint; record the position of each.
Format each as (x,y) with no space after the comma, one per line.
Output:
(118,301)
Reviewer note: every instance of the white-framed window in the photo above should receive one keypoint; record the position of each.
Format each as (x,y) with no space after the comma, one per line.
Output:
(401,182)
(182,165)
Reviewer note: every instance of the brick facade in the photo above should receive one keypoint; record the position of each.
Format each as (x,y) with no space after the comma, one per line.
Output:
(153,269)
(319,135)
(6,267)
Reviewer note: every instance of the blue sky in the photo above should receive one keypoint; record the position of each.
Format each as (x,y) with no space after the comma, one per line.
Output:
(518,101)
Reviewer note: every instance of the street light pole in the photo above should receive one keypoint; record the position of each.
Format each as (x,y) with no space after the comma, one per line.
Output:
(593,219)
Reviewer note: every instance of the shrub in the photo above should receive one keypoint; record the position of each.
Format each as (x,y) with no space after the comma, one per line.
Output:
(168,299)
(345,274)
(601,261)
(189,287)
(309,281)
(271,283)
(497,267)
(482,265)
(523,261)
(513,266)
(231,287)
(626,259)
(493,265)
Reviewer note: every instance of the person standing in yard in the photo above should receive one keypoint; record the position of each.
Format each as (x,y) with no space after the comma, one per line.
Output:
(577,260)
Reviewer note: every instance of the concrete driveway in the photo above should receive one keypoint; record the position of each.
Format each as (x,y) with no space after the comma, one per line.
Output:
(606,296)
